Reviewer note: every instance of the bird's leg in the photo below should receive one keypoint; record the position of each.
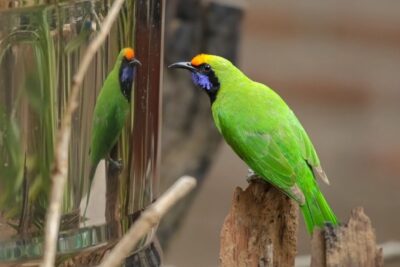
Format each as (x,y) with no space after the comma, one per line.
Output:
(250,173)
(252,176)
(117,164)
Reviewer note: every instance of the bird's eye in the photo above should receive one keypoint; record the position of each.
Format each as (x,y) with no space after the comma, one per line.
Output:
(207,68)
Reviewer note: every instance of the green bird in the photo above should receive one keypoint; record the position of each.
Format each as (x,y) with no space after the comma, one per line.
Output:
(111,110)
(264,132)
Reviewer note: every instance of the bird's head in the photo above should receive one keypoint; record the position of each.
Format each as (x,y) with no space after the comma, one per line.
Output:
(127,67)
(208,72)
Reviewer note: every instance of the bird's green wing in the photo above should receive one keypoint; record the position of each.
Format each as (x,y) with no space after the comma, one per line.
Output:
(307,149)
(267,153)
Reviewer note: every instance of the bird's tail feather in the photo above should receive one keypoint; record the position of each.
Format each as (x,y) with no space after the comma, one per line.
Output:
(316,212)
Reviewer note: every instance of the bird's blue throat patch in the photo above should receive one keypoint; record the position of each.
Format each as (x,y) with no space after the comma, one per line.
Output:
(202,81)
(127,74)
(208,82)
(126,79)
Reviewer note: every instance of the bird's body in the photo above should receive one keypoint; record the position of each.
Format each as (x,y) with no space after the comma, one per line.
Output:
(111,110)
(110,114)
(266,134)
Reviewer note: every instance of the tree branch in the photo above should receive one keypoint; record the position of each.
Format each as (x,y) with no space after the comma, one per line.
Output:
(149,218)
(60,165)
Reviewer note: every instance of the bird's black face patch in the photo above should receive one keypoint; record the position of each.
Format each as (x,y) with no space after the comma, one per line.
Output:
(126,76)
(204,77)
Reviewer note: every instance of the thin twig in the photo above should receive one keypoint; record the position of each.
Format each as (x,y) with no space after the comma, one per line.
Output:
(60,165)
(149,218)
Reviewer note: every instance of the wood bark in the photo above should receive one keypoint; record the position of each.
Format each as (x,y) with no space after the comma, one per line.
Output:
(352,244)
(260,229)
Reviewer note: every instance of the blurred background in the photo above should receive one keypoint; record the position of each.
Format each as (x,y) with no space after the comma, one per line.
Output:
(335,63)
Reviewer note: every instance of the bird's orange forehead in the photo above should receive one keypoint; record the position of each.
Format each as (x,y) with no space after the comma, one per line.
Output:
(129,54)
(199,59)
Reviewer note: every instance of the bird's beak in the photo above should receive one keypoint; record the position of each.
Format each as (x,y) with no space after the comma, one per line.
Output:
(183,65)
(135,62)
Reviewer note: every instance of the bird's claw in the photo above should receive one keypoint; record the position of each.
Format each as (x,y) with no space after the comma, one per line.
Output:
(117,164)
(250,173)
(252,176)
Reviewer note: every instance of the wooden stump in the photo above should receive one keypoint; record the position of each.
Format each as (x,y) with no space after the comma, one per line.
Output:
(352,244)
(260,229)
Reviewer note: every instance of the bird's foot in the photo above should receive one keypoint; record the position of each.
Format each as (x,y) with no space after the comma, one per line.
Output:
(116,164)
(250,173)
(253,177)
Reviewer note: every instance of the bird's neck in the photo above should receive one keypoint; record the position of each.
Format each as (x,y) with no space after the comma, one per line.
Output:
(232,85)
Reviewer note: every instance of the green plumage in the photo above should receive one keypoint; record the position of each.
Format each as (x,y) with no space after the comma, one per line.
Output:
(266,134)
(110,114)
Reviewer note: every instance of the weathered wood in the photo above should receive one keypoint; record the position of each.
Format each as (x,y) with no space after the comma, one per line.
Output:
(260,229)
(352,244)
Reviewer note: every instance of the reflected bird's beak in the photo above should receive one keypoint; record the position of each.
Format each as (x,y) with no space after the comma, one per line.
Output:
(135,62)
